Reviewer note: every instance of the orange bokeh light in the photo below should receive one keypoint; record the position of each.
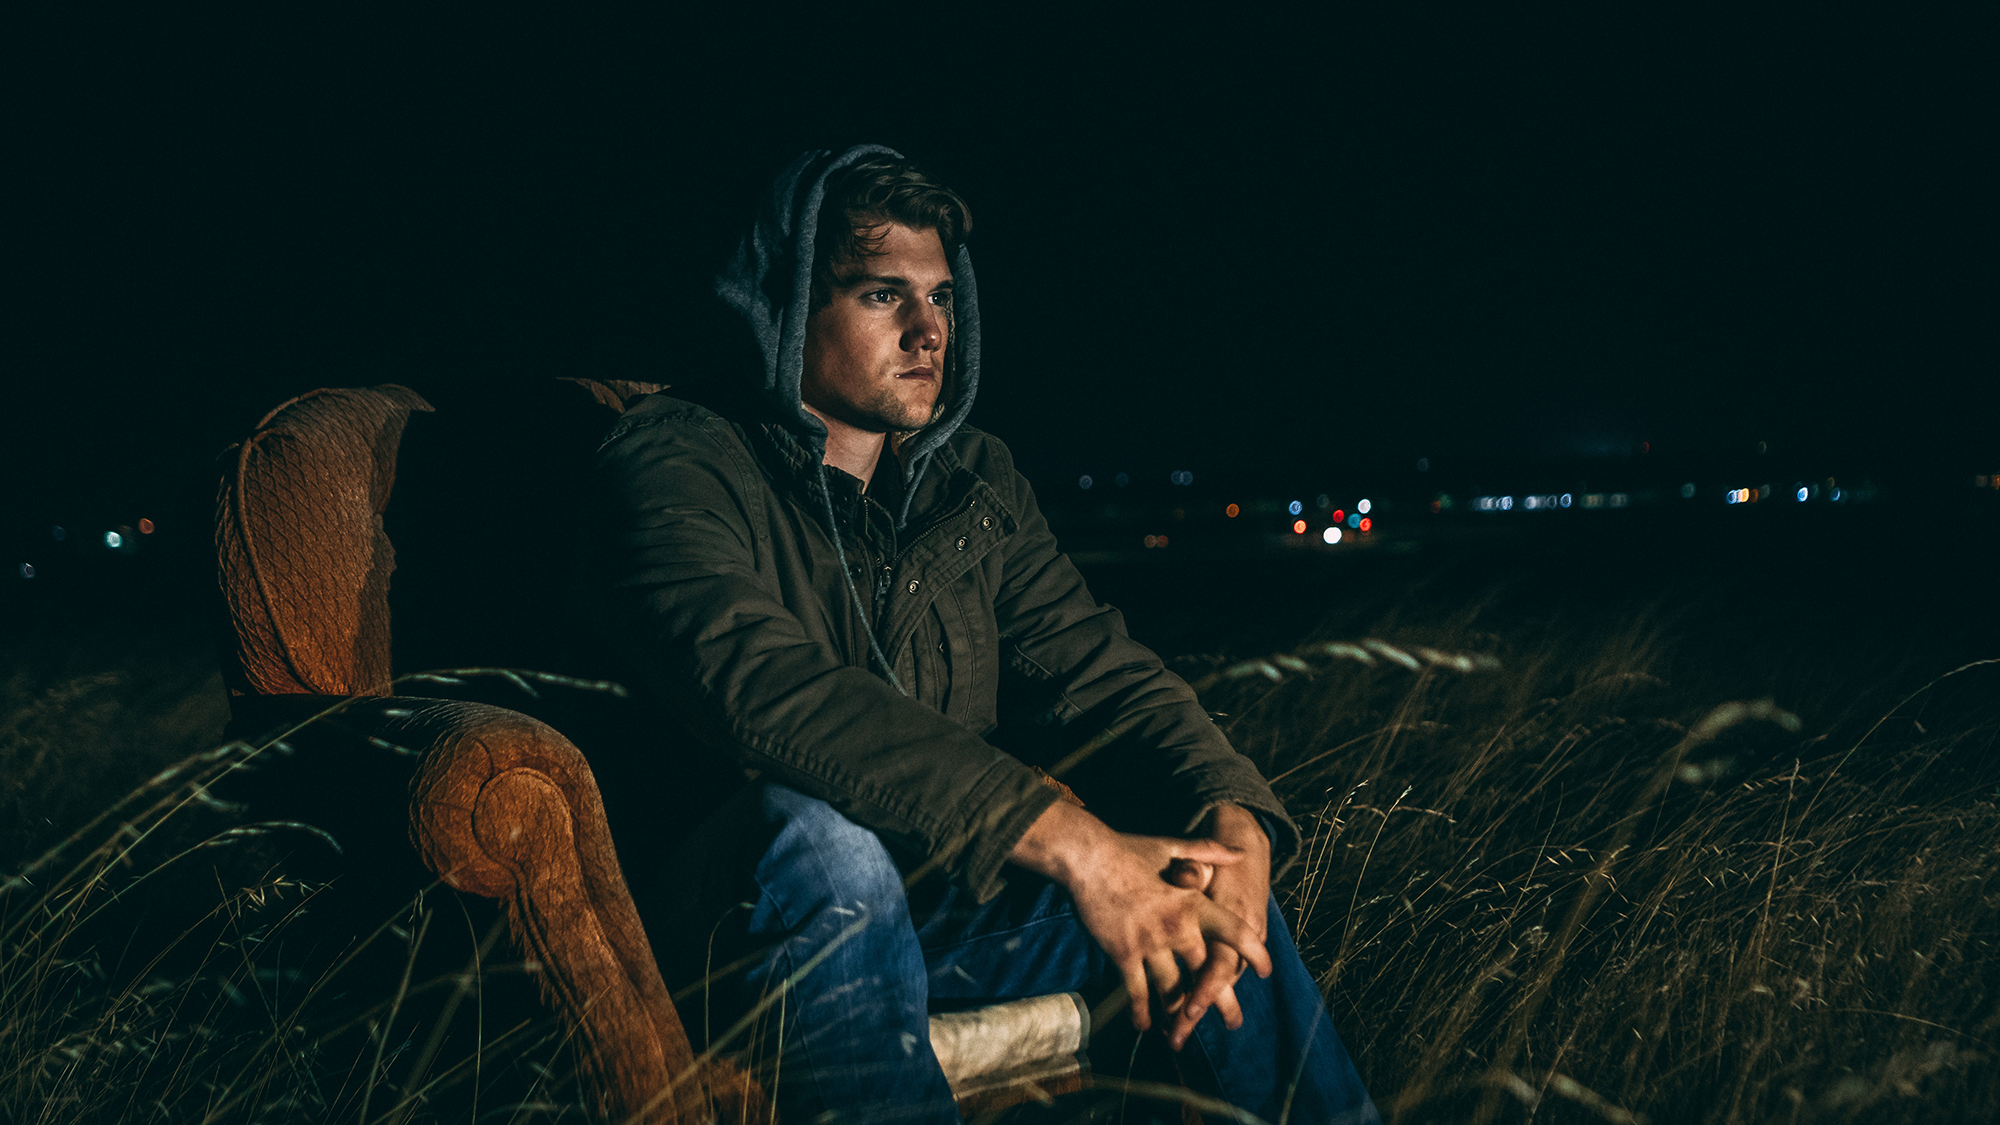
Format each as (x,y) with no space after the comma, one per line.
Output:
(1232,511)
(145,527)
(1299,527)
(1366,523)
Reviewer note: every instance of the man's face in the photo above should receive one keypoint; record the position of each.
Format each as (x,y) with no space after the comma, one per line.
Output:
(874,355)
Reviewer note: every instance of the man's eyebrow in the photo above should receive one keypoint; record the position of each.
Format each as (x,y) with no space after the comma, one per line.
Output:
(879,279)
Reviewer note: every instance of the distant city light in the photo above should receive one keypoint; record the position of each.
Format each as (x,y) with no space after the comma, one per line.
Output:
(1298,527)
(1837,495)
(1687,491)
(1156,540)
(1564,500)
(1619,499)
(1363,507)
(1366,524)
(1322,500)
(1423,464)
(1354,521)
(28,569)
(1330,535)
(113,540)
(1295,507)
(1181,476)
(1531,502)
(1802,493)
(1339,515)
(1506,503)
(58,534)
(145,527)
(1232,511)
(1122,479)
(1084,481)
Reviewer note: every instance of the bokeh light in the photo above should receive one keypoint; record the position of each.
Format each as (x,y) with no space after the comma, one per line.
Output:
(1330,535)
(1299,527)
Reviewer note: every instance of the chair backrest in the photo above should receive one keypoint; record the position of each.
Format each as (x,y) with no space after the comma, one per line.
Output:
(304,562)
(301,546)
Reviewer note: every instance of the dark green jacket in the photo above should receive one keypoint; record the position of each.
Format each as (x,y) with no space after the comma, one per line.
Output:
(715,576)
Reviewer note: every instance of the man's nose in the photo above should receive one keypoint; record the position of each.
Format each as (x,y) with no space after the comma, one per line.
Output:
(926,329)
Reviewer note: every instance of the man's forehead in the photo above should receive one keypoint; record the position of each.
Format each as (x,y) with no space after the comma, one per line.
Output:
(892,250)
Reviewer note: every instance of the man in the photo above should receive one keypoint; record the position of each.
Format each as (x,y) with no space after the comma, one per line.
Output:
(849,592)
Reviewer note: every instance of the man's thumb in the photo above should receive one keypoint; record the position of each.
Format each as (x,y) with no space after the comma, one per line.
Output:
(1206,851)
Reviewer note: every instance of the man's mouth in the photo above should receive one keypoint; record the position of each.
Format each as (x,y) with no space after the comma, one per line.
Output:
(919,373)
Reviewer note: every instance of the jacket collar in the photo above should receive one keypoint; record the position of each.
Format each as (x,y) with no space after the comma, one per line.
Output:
(788,462)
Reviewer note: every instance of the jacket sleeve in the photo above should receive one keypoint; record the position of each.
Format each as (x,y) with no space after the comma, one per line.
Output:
(678,594)
(1136,736)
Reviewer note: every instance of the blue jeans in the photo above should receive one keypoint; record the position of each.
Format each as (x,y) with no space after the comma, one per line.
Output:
(850,977)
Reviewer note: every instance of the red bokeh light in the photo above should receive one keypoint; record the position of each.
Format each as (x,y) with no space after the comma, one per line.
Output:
(145,527)
(1366,523)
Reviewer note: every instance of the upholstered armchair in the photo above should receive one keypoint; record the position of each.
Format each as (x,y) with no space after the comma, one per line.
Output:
(500,804)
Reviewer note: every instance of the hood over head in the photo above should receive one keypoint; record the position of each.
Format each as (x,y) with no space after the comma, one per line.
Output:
(768,282)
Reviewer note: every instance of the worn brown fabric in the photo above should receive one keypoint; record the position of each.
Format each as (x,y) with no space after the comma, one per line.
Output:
(713,572)
(506,808)
(304,562)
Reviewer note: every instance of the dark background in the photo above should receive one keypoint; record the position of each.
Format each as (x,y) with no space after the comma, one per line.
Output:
(1257,246)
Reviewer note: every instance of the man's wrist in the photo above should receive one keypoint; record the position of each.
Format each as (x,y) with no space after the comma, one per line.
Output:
(1060,843)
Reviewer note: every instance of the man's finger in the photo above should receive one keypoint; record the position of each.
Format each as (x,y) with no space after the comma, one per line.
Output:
(1227,1007)
(1165,974)
(1135,985)
(1220,925)
(1190,875)
(1208,992)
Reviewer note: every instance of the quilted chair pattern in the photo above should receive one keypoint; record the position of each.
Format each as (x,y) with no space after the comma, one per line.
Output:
(298,531)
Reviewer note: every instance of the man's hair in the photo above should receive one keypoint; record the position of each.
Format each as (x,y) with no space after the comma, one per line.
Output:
(873,192)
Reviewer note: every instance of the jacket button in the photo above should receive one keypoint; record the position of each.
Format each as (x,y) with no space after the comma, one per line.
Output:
(986,523)
(912,587)
(962,541)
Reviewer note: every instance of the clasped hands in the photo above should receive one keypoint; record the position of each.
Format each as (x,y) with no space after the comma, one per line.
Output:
(1181,919)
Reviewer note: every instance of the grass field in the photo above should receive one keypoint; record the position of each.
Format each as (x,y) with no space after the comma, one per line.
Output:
(1556,870)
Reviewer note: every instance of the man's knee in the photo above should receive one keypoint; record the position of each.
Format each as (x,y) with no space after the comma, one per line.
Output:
(816,853)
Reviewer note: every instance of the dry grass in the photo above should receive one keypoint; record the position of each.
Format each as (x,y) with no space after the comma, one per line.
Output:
(160,963)
(1551,887)
(1540,883)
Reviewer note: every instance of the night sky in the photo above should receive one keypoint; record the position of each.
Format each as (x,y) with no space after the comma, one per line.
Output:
(1249,245)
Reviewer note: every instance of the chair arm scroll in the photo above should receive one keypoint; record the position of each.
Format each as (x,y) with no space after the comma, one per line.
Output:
(504,807)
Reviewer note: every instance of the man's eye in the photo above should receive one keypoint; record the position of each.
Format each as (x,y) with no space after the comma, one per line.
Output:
(941,300)
(881,296)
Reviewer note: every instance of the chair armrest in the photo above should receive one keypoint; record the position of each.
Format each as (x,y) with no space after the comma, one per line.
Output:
(504,807)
